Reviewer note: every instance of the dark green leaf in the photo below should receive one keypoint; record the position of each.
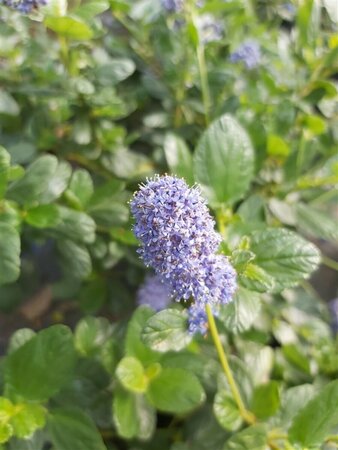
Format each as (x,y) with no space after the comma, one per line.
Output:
(75,259)
(265,401)
(43,216)
(73,430)
(75,225)
(47,360)
(176,391)
(81,187)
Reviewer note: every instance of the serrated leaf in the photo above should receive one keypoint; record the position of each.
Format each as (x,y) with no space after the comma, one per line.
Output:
(317,419)
(9,254)
(284,255)
(175,391)
(241,313)
(73,430)
(226,411)
(253,438)
(167,330)
(224,161)
(47,360)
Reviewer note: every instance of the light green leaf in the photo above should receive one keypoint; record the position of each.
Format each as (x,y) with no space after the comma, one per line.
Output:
(27,419)
(43,216)
(293,400)
(131,374)
(8,104)
(252,438)
(317,419)
(241,313)
(316,223)
(133,343)
(226,411)
(81,187)
(57,183)
(276,146)
(47,360)
(167,330)
(284,255)
(19,338)
(224,161)
(6,432)
(175,391)
(115,71)
(256,279)
(178,157)
(5,161)
(90,334)
(9,254)
(73,430)
(132,415)
(91,9)
(69,27)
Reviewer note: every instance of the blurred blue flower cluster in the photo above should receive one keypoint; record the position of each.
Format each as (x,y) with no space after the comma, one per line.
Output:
(24,6)
(172,6)
(154,293)
(249,53)
(178,240)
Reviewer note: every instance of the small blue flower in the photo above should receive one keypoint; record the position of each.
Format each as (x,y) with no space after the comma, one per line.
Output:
(209,28)
(154,293)
(197,319)
(172,6)
(249,53)
(24,6)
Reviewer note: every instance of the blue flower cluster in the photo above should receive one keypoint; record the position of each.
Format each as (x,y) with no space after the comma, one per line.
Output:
(249,53)
(24,6)
(179,241)
(172,6)
(210,29)
(154,293)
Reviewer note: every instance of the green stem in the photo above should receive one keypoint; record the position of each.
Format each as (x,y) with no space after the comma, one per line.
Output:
(202,67)
(330,262)
(247,415)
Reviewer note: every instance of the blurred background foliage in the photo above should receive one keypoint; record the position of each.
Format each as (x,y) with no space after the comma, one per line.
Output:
(94,97)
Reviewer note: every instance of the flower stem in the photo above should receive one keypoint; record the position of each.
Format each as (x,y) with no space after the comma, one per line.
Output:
(247,415)
(202,67)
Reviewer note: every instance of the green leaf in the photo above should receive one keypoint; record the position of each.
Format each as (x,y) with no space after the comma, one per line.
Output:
(81,187)
(35,182)
(93,295)
(178,157)
(5,161)
(57,183)
(43,216)
(75,258)
(316,223)
(132,415)
(90,334)
(319,416)
(75,225)
(73,430)
(109,214)
(252,438)
(6,432)
(130,373)
(226,411)
(265,401)
(276,146)
(115,71)
(133,343)
(9,254)
(19,338)
(256,279)
(91,9)
(175,391)
(241,313)
(224,161)
(293,400)
(27,418)
(167,330)
(284,255)
(294,355)
(69,27)
(47,360)
(8,104)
